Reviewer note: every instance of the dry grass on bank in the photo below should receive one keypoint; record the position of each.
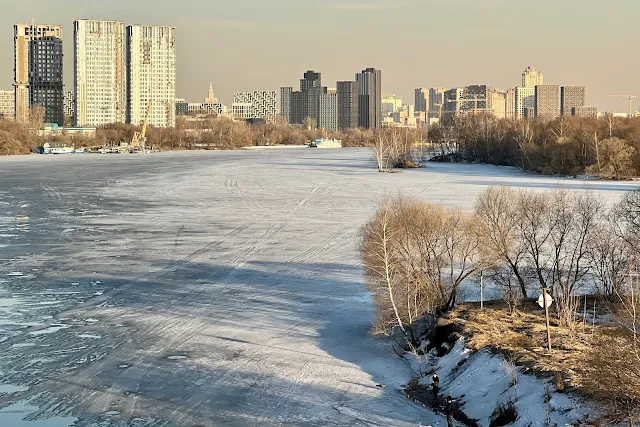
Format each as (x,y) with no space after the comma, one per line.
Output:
(595,361)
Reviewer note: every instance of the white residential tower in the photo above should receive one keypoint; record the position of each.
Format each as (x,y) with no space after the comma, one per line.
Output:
(100,72)
(151,74)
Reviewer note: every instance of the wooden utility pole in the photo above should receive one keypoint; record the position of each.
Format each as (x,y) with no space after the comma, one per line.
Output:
(546,316)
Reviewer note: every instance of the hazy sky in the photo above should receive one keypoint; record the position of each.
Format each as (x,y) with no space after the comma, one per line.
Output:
(264,44)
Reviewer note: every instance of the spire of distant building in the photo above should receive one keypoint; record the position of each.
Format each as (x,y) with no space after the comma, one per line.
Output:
(211,98)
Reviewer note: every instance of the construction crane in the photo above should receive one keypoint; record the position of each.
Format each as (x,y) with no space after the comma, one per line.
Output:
(631,98)
(139,140)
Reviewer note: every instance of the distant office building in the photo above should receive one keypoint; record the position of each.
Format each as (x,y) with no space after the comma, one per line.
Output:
(7,109)
(347,105)
(259,104)
(525,97)
(584,111)
(211,96)
(547,99)
(532,78)
(285,103)
(436,99)
(38,71)
(100,72)
(422,99)
(369,98)
(390,103)
(499,104)
(69,106)
(328,111)
(151,74)
(570,97)
(510,103)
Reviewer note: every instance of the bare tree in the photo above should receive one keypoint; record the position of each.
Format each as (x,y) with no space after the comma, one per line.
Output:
(575,219)
(382,149)
(462,253)
(36,116)
(626,220)
(608,257)
(507,284)
(499,227)
(381,265)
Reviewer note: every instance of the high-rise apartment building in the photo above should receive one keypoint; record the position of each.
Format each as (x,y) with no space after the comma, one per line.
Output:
(347,105)
(510,103)
(390,103)
(151,74)
(499,104)
(100,72)
(259,104)
(532,78)
(69,107)
(369,98)
(7,106)
(585,111)
(571,97)
(547,99)
(474,99)
(304,103)
(422,99)
(38,71)
(436,99)
(452,100)
(285,103)
(328,118)
(525,98)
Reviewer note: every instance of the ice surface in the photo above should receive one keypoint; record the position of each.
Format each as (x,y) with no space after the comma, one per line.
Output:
(246,261)
(12,388)
(50,330)
(16,416)
(90,336)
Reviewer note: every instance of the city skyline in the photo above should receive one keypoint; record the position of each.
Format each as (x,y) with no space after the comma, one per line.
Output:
(267,36)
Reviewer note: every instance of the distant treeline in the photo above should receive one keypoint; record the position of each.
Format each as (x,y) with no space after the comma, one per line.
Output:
(210,133)
(608,148)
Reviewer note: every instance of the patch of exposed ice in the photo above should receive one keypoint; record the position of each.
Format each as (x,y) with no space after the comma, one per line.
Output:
(91,320)
(15,273)
(90,336)
(50,330)
(12,388)
(23,345)
(46,303)
(112,413)
(177,357)
(58,292)
(15,416)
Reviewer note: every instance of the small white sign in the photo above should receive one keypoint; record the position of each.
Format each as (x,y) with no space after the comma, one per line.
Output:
(542,298)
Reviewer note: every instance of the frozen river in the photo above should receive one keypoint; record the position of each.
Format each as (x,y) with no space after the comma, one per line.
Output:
(205,288)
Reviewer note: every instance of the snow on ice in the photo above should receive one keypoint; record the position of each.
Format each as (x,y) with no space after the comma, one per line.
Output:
(245,260)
